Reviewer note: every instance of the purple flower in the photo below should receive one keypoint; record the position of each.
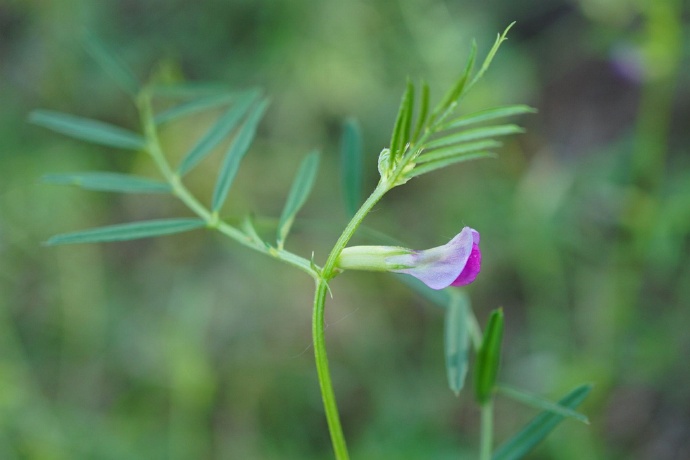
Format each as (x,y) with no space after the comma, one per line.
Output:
(456,263)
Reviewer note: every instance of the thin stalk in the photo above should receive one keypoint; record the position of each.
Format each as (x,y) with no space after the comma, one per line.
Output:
(212,220)
(325,384)
(329,270)
(318,324)
(487,430)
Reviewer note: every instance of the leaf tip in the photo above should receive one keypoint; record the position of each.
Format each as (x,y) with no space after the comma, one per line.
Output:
(34,116)
(49,242)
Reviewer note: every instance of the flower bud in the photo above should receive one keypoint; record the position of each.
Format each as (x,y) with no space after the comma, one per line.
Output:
(456,263)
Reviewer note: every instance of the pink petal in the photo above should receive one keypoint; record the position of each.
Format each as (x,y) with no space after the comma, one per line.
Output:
(446,265)
(472,268)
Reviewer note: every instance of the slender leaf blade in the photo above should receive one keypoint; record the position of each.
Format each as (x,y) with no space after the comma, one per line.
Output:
(475,134)
(457,341)
(401,129)
(195,106)
(489,114)
(434,165)
(130,231)
(539,428)
(237,150)
(87,129)
(219,131)
(423,112)
(112,64)
(351,159)
(407,121)
(108,182)
(458,88)
(489,358)
(490,56)
(456,150)
(538,402)
(299,192)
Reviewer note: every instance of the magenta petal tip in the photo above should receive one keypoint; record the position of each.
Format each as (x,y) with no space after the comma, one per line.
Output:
(456,263)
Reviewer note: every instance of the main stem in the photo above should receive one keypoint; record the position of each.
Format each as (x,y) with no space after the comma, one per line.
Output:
(318,324)
(487,430)
(327,394)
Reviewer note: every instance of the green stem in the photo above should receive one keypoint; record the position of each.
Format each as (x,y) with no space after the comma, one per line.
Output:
(327,394)
(487,430)
(318,324)
(212,220)
(329,269)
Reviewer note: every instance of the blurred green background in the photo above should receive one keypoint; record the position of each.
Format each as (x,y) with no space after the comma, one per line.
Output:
(191,347)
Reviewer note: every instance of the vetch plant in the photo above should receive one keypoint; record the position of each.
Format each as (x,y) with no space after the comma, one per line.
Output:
(424,139)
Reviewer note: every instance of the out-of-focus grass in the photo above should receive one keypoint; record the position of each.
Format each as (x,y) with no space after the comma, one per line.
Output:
(190,347)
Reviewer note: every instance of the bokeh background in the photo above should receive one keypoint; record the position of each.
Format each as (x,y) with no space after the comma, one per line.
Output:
(191,347)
